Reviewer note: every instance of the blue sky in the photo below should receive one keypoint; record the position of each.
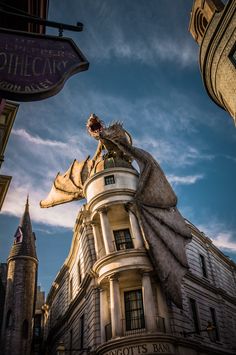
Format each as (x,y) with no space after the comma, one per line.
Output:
(143,71)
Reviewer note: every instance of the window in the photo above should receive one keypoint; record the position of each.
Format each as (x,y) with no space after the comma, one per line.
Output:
(203,265)
(37,325)
(193,307)
(134,314)
(81,332)
(214,323)
(123,239)
(18,236)
(110,179)
(232,55)
(25,329)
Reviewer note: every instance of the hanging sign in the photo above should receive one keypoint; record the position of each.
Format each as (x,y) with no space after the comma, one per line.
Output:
(35,67)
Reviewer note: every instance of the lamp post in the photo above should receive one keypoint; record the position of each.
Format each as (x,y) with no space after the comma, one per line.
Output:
(61,349)
(210,329)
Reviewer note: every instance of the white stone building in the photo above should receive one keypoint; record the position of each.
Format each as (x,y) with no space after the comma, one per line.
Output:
(106,298)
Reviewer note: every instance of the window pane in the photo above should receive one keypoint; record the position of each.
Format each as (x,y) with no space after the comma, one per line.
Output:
(203,265)
(214,322)
(194,315)
(123,239)
(109,180)
(134,314)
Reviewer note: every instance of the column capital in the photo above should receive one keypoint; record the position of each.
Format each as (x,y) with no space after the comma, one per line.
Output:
(103,209)
(145,272)
(114,277)
(94,224)
(86,224)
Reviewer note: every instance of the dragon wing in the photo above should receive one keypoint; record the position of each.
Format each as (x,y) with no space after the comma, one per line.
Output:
(68,187)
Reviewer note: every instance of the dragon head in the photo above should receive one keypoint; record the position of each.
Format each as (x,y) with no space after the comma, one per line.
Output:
(95,126)
(115,132)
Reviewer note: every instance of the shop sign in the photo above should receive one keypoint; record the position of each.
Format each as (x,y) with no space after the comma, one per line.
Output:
(144,348)
(34,67)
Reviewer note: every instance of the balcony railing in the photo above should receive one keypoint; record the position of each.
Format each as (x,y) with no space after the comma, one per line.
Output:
(135,326)
(161,326)
(108,331)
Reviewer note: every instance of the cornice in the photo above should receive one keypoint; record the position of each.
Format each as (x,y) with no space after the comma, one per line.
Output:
(207,285)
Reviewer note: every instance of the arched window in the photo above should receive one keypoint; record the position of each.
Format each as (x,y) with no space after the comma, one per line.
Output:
(9,319)
(25,329)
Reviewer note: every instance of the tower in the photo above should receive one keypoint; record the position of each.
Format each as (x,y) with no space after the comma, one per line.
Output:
(132,304)
(110,296)
(212,25)
(20,291)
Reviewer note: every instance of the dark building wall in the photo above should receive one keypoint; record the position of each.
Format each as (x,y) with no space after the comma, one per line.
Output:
(3,282)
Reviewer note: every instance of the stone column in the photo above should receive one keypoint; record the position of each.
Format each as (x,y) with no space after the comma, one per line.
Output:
(148,303)
(96,239)
(115,307)
(104,314)
(136,232)
(106,231)
(163,308)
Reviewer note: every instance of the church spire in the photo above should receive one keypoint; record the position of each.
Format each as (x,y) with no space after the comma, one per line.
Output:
(27,204)
(24,239)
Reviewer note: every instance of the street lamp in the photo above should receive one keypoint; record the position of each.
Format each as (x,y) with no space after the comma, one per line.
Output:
(61,349)
(210,329)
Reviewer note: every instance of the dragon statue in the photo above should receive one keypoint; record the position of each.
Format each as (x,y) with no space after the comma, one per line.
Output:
(164,229)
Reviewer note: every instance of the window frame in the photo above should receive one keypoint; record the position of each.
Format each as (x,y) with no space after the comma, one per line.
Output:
(109,180)
(203,265)
(134,323)
(194,314)
(214,322)
(119,241)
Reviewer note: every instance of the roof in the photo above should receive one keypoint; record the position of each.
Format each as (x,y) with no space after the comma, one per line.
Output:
(24,239)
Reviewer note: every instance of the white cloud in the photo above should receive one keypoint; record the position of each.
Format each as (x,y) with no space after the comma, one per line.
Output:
(184,180)
(134,33)
(23,134)
(222,236)
(61,216)
(225,241)
(34,159)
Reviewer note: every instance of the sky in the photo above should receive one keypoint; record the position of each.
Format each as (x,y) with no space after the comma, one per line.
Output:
(143,71)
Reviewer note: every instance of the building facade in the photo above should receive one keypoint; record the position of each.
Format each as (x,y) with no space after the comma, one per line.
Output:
(20,296)
(7,117)
(213,26)
(107,300)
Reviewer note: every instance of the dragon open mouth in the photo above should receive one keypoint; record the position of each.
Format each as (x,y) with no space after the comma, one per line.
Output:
(94,126)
